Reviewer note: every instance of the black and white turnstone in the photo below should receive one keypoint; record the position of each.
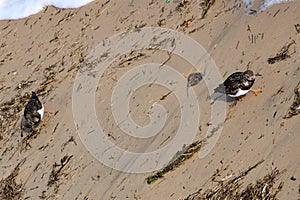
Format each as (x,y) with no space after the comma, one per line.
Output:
(33,114)
(239,84)
(194,79)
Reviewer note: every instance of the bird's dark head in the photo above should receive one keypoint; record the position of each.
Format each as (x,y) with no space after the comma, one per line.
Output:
(249,75)
(33,95)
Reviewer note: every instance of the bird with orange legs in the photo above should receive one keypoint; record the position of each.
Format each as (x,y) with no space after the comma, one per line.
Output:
(33,114)
(238,84)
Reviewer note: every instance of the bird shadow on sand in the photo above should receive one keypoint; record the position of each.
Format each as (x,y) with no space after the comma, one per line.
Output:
(219,94)
(24,128)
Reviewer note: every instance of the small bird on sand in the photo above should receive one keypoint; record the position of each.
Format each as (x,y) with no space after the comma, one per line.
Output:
(239,84)
(193,79)
(33,114)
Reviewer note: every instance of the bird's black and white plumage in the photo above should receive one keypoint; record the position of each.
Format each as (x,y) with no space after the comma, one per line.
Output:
(33,113)
(193,79)
(239,83)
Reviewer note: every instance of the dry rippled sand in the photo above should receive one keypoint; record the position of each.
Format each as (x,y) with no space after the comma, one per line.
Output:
(44,52)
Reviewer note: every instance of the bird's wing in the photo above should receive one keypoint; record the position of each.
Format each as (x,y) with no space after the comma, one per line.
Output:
(233,82)
(246,85)
(233,78)
(232,88)
(31,107)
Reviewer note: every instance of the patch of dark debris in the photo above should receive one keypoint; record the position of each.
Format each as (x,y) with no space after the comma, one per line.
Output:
(182,156)
(297,27)
(57,171)
(26,141)
(295,107)
(232,188)
(182,5)
(126,60)
(205,5)
(283,54)
(9,188)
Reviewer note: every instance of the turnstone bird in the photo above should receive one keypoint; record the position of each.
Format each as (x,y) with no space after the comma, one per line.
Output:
(193,79)
(33,114)
(239,83)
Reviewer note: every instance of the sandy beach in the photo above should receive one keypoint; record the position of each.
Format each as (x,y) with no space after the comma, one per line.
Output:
(45,51)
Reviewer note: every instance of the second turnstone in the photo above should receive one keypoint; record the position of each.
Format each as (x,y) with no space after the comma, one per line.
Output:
(33,114)
(193,79)
(240,83)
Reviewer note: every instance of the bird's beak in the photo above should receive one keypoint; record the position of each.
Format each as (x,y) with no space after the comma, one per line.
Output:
(258,74)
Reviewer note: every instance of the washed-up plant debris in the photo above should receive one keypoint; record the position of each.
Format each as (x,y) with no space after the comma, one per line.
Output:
(283,54)
(183,4)
(9,189)
(57,169)
(183,156)
(297,27)
(295,107)
(266,188)
(205,5)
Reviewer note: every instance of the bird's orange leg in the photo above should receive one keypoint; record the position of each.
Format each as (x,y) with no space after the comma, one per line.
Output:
(47,111)
(44,122)
(256,91)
